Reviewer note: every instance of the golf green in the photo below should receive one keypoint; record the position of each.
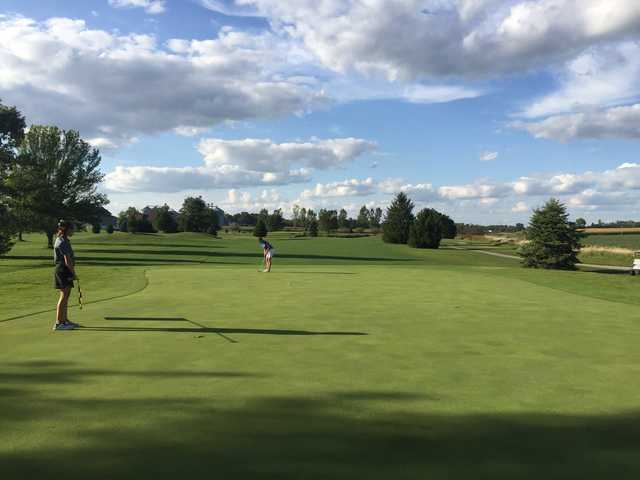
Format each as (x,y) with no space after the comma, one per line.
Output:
(351,359)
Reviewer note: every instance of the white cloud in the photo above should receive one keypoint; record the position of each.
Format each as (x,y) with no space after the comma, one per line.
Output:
(230,10)
(616,122)
(190,131)
(520,207)
(152,7)
(177,179)
(264,155)
(115,86)
(423,192)
(439,93)
(409,39)
(473,191)
(241,163)
(488,156)
(270,199)
(346,188)
(600,77)
(593,199)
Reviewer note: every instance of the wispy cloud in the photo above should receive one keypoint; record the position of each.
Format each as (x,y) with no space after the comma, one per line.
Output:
(488,156)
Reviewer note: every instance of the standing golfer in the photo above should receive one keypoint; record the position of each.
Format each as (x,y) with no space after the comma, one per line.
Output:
(64,274)
(267,252)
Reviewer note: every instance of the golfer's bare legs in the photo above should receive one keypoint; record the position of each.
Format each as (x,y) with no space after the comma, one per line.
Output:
(61,309)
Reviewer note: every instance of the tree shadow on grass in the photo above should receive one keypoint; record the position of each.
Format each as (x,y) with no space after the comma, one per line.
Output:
(345,435)
(240,254)
(152,319)
(287,272)
(198,329)
(605,271)
(125,261)
(82,245)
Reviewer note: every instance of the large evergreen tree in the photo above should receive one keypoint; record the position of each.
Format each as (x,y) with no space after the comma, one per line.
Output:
(553,241)
(398,221)
(426,229)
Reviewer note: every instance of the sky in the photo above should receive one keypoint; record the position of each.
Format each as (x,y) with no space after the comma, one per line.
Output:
(482,109)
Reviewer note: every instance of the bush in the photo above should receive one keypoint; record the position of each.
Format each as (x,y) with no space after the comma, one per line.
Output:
(7,230)
(260,229)
(449,229)
(197,216)
(553,240)
(313,228)
(96,228)
(426,230)
(110,229)
(132,225)
(166,222)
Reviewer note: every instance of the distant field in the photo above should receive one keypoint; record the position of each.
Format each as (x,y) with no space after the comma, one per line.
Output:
(609,231)
(626,240)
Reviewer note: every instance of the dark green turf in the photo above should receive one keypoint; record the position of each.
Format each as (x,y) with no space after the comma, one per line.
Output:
(352,359)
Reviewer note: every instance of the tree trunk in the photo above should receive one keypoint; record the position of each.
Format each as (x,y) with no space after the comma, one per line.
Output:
(49,239)
(20,239)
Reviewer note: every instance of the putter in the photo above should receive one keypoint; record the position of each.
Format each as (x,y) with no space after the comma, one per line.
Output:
(80,296)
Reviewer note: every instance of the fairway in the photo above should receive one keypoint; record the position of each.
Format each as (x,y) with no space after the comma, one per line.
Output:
(352,359)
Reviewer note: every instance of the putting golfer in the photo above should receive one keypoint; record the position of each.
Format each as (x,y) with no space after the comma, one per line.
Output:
(64,274)
(267,252)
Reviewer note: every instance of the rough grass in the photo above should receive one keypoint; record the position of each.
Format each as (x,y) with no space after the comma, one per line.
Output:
(629,241)
(352,359)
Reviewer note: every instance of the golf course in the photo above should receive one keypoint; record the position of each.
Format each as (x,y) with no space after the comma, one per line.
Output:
(351,359)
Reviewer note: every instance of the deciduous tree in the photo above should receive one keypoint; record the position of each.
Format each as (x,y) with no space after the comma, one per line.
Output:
(61,173)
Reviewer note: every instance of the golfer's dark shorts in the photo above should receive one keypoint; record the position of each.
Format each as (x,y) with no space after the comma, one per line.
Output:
(62,278)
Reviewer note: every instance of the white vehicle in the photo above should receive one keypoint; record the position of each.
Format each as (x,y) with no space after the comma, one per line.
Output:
(635,268)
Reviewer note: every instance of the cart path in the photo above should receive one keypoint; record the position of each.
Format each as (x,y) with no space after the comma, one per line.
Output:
(580,265)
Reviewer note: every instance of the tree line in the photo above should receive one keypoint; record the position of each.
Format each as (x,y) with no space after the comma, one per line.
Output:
(424,230)
(195,215)
(46,174)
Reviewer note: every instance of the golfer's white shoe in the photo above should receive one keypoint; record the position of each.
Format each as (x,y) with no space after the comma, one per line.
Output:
(63,326)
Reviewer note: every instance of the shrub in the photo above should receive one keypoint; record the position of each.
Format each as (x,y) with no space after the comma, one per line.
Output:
(260,229)
(313,228)
(96,228)
(426,230)
(166,222)
(109,229)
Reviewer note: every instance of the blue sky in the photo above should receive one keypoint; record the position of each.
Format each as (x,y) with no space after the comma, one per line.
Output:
(482,109)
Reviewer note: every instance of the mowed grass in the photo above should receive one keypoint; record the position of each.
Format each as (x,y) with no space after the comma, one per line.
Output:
(352,359)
